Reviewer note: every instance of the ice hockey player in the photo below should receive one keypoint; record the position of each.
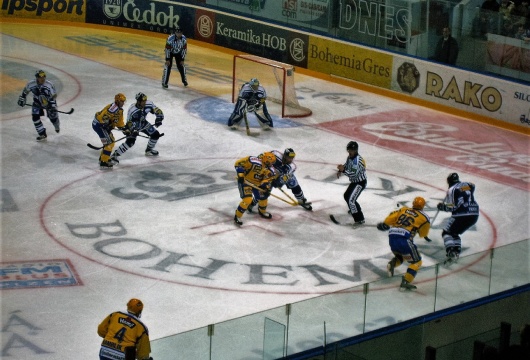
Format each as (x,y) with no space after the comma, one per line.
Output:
(176,48)
(104,122)
(251,98)
(124,335)
(44,98)
(355,169)
(403,224)
(460,201)
(254,180)
(137,123)
(285,168)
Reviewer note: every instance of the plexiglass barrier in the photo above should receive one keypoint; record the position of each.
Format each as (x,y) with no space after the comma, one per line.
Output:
(489,41)
(336,316)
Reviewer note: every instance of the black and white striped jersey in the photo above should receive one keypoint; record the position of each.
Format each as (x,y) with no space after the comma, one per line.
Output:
(355,168)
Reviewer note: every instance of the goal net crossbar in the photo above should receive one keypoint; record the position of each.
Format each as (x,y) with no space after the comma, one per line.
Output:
(276,77)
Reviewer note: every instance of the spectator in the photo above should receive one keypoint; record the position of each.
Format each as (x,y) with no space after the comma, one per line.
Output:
(446,49)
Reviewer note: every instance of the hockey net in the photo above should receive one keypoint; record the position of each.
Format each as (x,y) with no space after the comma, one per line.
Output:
(276,77)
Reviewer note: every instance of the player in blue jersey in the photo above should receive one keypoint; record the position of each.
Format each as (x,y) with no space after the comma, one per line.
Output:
(460,201)
(176,49)
(44,98)
(355,169)
(403,225)
(137,123)
(251,98)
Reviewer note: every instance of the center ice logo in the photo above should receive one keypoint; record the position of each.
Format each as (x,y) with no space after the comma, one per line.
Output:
(172,221)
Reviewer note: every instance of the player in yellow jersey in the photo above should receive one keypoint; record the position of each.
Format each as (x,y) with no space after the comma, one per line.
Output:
(260,173)
(124,335)
(403,224)
(104,122)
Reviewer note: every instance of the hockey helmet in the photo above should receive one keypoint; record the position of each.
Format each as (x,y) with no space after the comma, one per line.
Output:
(453,179)
(135,306)
(40,74)
(177,29)
(289,152)
(141,97)
(418,203)
(254,83)
(120,97)
(352,145)
(268,158)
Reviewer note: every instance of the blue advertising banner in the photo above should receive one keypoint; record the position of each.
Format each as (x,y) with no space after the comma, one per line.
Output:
(155,16)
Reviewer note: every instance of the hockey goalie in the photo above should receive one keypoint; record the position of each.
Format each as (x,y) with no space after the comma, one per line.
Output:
(251,98)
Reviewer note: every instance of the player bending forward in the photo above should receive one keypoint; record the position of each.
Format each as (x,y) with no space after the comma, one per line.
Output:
(44,98)
(403,224)
(137,123)
(254,179)
(251,98)
(285,167)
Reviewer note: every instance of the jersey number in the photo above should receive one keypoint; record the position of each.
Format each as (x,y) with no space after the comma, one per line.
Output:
(120,334)
(405,220)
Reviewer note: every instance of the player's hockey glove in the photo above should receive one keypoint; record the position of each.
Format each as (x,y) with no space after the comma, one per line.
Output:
(52,110)
(241,180)
(265,186)
(158,121)
(22,100)
(382,226)
(442,207)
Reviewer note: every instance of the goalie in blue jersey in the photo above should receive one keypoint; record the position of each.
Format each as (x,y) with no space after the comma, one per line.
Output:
(251,98)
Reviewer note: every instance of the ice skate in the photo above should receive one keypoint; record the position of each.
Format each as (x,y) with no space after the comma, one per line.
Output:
(405,285)
(42,137)
(151,152)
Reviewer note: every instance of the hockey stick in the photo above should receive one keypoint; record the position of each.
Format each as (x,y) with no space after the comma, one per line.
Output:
(308,204)
(292,203)
(71,111)
(246,123)
(101,147)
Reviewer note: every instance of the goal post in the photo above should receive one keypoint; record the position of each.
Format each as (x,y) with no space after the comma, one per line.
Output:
(276,77)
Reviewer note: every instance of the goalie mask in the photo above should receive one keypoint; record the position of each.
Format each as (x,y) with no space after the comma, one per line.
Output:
(254,83)
(135,306)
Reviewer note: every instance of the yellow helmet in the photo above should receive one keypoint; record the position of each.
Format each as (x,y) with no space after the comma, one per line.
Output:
(135,306)
(268,158)
(418,203)
(120,97)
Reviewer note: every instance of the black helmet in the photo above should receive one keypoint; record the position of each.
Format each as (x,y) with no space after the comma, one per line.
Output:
(177,29)
(352,145)
(289,152)
(40,74)
(452,179)
(141,97)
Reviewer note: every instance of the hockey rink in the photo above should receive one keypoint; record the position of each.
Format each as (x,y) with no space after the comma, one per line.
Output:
(161,228)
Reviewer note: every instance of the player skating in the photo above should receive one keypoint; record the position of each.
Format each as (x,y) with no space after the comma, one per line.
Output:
(44,98)
(285,167)
(402,225)
(137,123)
(252,97)
(109,118)
(460,201)
(176,48)
(254,180)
